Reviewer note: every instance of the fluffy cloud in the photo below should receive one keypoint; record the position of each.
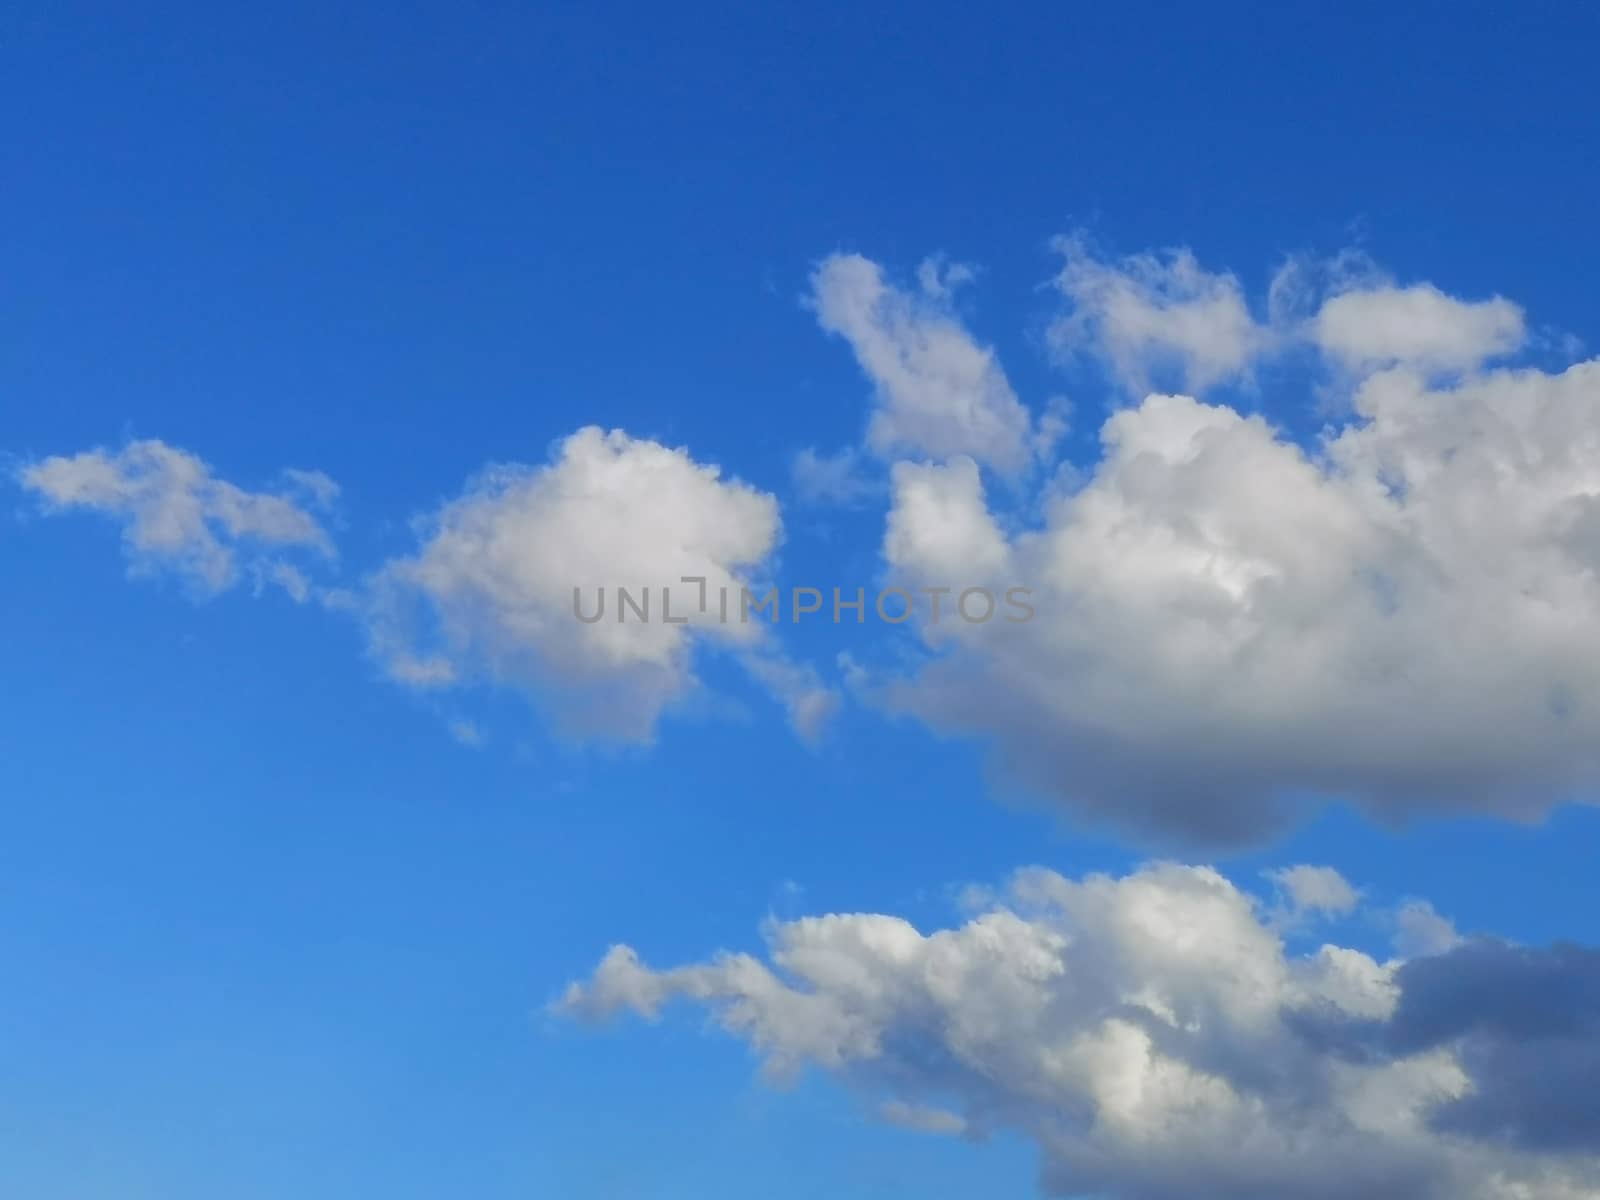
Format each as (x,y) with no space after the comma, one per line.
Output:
(1320,891)
(938,392)
(1163,320)
(1406,614)
(177,516)
(490,593)
(1153,317)
(1419,326)
(939,530)
(1156,1040)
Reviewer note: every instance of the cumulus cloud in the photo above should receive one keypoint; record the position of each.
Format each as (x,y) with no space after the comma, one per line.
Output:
(1229,625)
(1162,320)
(1318,891)
(1155,1040)
(490,593)
(1155,318)
(939,529)
(938,392)
(1419,326)
(177,516)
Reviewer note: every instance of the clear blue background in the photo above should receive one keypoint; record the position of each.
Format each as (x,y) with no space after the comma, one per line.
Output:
(265,930)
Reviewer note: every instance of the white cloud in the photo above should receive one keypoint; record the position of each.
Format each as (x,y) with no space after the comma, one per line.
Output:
(1154,1039)
(940,278)
(1228,625)
(1155,318)
(939,530)
(1419,930)
(939,393)
(490,593)
(1420,326)
(1160,319)
(177,516)
(1319,891)
(839,478)
(921,1118)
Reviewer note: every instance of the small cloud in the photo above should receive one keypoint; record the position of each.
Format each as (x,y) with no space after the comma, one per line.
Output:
(939,278)
(1154,317)
(1312,891)
(938,391)
(809,702)
(467,733)
(1054,424)
(1420,326)
(921,1118)
(319,490)
(1419,931)
(286,576)
(838,479)
(177,516)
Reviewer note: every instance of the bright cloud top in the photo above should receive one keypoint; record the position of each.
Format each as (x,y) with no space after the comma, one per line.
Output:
(489,594)
(938,391)
(1156,1040)
(177,516)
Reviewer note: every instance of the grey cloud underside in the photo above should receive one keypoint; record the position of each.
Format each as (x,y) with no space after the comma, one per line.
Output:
(1525,1024)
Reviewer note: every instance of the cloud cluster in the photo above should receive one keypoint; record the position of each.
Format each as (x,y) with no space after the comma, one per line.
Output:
(1162,321)
(490,592)
(1156,1040)
(178,517)
(1230,623)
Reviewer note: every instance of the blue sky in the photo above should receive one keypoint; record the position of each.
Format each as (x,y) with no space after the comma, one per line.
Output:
(277,920)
